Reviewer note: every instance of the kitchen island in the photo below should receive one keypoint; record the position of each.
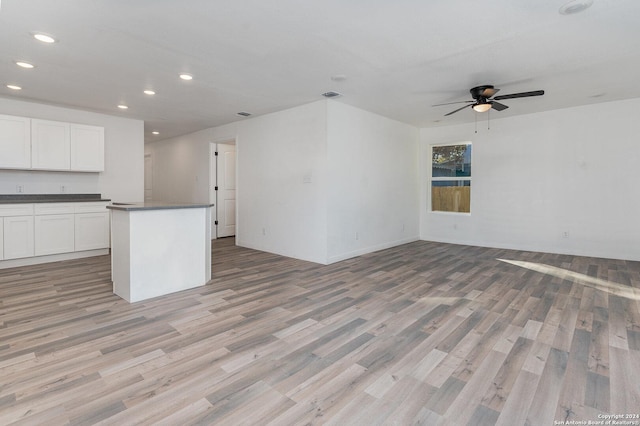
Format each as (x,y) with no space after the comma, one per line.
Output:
(159,248)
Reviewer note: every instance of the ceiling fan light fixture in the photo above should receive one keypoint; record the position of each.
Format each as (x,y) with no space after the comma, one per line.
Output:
(482,107)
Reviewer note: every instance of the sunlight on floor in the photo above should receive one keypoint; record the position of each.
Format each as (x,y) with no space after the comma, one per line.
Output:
(565,274)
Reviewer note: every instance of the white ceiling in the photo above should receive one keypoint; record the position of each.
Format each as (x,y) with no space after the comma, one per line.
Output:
(399,57)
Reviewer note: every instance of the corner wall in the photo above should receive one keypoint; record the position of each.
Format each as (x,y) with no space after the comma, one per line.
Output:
(308,179)
(282,182)
(373,177)
(539,176)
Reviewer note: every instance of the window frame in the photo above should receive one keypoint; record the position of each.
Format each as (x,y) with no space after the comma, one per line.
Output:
(447,178)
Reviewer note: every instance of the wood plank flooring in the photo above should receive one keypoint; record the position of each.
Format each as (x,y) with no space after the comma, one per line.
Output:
(421,334)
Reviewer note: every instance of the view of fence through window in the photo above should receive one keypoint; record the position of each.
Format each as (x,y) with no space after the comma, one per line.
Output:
(451,178)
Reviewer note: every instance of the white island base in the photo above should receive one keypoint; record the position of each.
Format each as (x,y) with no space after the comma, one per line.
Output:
(159,248)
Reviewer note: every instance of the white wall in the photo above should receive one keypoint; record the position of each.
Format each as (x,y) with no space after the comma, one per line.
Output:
(308,179)
(282,182)
(277,211)
(537,176)
(373,182)
(123,177)
(181,167)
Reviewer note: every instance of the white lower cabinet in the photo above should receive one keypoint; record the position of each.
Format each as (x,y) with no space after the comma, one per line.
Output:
(43,229)
(91,231)
(18,237)
(54,234)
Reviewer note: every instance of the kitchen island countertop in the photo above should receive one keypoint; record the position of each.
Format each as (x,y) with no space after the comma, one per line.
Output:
(156,205)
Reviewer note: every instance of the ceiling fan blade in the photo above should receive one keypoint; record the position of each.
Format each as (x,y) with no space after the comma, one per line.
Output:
(451,103)
(459,109)
(498,106)
(520,95)
(489,92)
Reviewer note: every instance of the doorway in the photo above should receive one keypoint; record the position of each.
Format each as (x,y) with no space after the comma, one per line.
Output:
(223,189)
(148,177)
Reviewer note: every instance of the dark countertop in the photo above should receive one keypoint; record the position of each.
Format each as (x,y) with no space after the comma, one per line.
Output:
(155,205)
(50,198)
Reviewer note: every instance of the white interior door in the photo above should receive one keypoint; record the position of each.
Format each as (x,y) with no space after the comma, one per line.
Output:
(226,190)
(148,177)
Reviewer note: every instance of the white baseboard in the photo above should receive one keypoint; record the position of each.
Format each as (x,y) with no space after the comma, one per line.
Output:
(371,249)
(25,261)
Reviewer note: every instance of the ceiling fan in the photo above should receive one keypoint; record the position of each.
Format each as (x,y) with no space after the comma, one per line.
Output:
(484,100)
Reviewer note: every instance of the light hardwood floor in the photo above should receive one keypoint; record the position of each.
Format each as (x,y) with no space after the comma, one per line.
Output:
(424,333)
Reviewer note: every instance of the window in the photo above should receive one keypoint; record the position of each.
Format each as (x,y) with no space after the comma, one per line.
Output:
(451,178)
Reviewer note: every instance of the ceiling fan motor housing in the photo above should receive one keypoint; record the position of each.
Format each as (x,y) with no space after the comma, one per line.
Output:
(481,93)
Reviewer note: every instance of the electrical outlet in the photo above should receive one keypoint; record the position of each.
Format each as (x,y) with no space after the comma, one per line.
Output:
(264,231)
(565,234)
(63,189)
(19,189)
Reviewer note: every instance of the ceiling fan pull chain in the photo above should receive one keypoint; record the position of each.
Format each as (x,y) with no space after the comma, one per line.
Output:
(475,114)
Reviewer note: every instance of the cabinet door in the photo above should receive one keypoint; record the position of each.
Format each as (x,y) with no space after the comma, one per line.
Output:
(92,231)
(15,142)
(18,237)
(50,145)
(54,234)
(87,148)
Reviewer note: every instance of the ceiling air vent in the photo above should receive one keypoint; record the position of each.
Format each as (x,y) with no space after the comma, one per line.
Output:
(331,94)
(244,114)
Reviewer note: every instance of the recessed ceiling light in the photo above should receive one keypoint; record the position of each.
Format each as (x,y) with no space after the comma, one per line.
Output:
(575,6)
(244,114)
(186,76)
(122,106)
(24,64)
(149,92)
(331,94)
(14,87)
(155,133)
(45,38)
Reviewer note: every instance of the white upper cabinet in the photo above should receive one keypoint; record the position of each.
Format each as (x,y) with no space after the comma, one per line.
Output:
(50,145)
(15,142)
(87,148)
(34,144)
